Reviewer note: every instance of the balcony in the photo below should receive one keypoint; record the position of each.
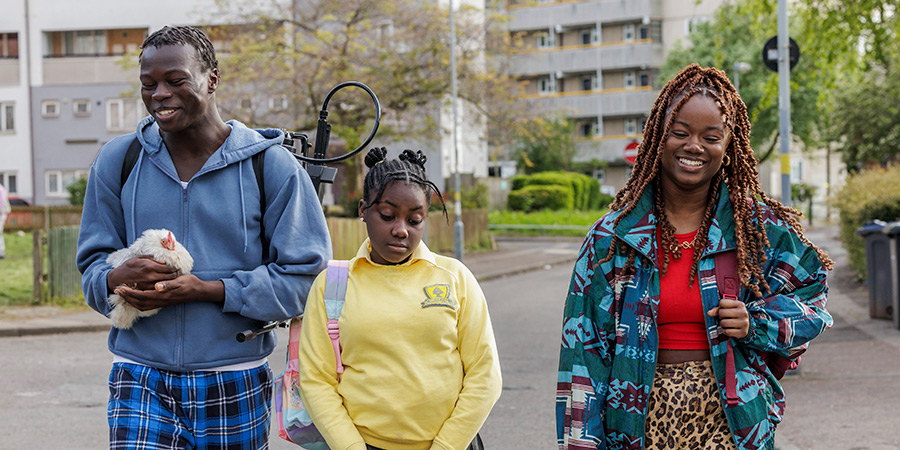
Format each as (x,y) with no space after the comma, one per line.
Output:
(604,148)
(87,70)
(588,58)
(9,71)
(608,102)
(567,13)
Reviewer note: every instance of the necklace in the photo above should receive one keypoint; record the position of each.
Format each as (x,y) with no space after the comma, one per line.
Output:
(684,245)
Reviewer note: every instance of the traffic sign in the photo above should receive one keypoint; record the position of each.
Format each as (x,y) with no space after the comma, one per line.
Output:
(770,53)
(631,151)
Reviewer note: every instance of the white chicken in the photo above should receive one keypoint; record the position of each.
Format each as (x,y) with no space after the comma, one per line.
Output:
(159,245)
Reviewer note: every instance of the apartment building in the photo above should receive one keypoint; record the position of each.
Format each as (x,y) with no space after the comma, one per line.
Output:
(64,91)
(597,62)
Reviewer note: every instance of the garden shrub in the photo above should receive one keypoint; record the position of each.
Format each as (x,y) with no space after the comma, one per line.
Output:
(537,197)
(873,194)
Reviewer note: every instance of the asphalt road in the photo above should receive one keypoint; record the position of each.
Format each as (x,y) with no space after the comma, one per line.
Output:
(54,388)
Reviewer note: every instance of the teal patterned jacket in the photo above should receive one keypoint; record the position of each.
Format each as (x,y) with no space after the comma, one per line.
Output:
(609,339)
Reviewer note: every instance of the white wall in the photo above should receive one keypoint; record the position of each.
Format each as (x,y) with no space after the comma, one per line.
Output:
(676,14)
(15,147)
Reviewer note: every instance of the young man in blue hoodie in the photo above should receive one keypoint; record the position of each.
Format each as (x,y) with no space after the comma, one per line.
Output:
(179,378)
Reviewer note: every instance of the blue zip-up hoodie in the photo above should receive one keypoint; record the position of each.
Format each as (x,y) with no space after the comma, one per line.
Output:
(217,218)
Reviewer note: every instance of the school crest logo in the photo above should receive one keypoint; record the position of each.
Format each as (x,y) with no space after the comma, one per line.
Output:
(438,295)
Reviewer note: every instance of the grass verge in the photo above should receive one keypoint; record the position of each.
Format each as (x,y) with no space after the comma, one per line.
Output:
(582,219)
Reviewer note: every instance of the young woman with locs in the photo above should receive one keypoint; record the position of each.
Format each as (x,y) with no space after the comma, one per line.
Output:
(652,356)
(420,363)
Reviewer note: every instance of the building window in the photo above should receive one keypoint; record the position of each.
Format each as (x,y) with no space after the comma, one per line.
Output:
(9,45)
(7,117)
(279,103)
(628,32)
(600,175)
(587,129)
(691,24)
(643,32)
(796,170)
(123,114)
(83,43)
(8,180)
(642,124)
(630,126)
(543,40)
(544,86)
(645,79)
(586,38)
(58,180)
(587,83)
(50,109)
(81,107)
(629,79)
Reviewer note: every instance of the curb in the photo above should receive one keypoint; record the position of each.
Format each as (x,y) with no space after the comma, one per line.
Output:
(40,331)
(489,276)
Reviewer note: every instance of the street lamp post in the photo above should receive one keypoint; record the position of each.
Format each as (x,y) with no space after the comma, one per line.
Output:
(457,198)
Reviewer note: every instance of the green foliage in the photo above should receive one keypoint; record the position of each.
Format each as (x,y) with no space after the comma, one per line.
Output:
(802,192)
(583,219)
(585,190)
(737,34)
(17,270)
(869,195)
(76,191)
(544,144)
(538,197)
(869,128)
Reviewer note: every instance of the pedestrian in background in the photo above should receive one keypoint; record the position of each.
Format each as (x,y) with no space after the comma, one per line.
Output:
(420,365)
(649,348)
(179,378)
(5,209)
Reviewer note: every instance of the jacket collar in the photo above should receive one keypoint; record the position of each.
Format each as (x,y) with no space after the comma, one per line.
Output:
(638,228)
(420,253)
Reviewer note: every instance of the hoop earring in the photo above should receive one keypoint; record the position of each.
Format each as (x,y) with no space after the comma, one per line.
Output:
(726,160)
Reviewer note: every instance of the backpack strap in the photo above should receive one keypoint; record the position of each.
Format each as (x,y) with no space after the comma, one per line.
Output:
(259,161)
(335,291)
(729,287)
(131,156)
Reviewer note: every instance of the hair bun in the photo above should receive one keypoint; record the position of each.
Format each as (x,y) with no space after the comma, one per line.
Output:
(416,157)
(375,156)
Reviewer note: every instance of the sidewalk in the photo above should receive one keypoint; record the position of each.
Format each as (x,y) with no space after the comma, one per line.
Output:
(510,257)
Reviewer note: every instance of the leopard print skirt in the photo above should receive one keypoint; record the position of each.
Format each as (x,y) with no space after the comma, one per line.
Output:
(685,409)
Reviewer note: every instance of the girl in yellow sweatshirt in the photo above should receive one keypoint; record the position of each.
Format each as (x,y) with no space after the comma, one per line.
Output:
(420,363)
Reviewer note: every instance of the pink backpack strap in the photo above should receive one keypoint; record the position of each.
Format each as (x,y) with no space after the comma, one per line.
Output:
(729,286)
(335,292)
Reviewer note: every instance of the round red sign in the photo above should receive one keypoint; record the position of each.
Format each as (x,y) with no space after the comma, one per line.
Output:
(631,151)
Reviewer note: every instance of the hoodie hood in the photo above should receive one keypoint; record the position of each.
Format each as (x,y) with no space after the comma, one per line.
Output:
(241,143)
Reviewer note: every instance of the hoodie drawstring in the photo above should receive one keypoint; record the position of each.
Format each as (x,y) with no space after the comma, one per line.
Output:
(137,177)
(243,211)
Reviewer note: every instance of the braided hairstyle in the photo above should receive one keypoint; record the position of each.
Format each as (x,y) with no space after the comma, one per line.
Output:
(740,176)
(183,35)
(408,168)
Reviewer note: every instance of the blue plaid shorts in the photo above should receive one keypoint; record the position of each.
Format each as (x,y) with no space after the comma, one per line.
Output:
(157,409)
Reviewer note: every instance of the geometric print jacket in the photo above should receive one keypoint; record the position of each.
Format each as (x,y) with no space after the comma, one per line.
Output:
(609,341)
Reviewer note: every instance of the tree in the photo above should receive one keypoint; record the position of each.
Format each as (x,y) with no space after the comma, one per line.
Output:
(292,52)
(737,33)
(545,144)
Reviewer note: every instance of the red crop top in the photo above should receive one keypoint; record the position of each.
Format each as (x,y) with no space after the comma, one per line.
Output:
(680,322)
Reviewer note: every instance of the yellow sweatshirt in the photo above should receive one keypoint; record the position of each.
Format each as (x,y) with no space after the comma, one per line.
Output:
(420,362)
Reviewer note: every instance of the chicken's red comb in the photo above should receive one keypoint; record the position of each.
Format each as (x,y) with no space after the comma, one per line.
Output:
(169,242)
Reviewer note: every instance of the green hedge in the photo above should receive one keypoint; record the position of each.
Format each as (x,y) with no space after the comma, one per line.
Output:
(538,197)
(867,196)
(585,190)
